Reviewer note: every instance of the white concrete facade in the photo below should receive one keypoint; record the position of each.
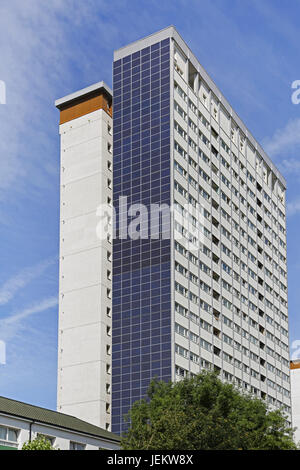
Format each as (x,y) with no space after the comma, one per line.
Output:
(243,326)
(295,392)
(84,346)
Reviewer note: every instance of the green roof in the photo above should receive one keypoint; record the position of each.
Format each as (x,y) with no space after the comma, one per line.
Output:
(53,418)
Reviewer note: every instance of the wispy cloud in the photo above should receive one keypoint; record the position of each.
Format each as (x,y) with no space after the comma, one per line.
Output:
(289,166)
(15,325)
(281,24)
(9,289)
(293,207)
(284,139)
(31,67)
(29,341)
(38,307)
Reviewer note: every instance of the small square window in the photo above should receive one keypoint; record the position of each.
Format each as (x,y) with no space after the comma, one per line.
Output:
(47,438)
(77,446)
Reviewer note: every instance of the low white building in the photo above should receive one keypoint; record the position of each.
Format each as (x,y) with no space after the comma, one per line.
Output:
(295,393)
(21,422)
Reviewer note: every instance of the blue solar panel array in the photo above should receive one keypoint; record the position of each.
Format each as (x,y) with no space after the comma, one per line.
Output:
(141,314)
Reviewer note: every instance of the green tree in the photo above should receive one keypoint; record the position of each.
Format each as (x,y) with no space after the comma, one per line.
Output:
(204,413)
(40,443)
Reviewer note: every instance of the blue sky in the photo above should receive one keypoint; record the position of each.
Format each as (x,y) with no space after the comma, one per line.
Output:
(49,49)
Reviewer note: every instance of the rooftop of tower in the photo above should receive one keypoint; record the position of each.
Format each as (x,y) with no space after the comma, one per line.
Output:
(171,32)
(78,95)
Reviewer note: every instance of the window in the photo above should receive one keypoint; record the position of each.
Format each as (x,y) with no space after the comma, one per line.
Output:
(192,125)
(180,131)
(232,134)
(180,371)
(109,129)
(108,389)
(242,142)
(77,446)
(179,168)
(181,351)
(181,330)
(180,150)
(8,436)
(180,92)
(51,439)
(109,147)
(180,111)
(193,107)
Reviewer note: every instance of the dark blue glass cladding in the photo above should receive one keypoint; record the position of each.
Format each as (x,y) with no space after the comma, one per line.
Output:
(141,316)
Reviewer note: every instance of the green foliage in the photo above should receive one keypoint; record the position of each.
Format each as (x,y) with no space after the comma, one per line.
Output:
(204,413)
(40,443)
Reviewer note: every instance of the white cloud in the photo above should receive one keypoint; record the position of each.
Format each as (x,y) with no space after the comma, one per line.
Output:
(12,325)
(293,207)
(289,166)
(284,139)
(35,308)
(9,289)
(38,59)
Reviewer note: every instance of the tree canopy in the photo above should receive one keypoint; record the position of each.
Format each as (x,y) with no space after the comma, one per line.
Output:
(204,413)
(40,443)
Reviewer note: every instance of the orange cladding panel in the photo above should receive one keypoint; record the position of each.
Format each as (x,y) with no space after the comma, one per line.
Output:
(85,106)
